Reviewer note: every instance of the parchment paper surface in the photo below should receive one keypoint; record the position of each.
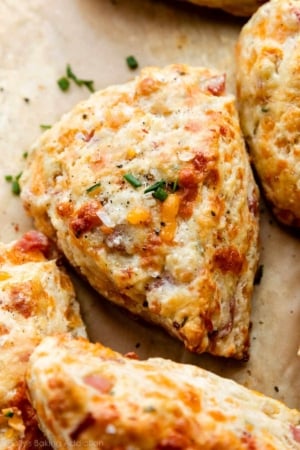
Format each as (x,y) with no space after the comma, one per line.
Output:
(37,40)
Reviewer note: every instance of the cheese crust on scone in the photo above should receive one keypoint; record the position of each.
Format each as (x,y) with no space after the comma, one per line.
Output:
(235,7)
(268,90)
(147,189)
(36,300)
(88,396)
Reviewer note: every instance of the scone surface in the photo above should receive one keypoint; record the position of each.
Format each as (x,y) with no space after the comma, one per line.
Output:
(268,89)
(87,395)
(37,299)
(147,189)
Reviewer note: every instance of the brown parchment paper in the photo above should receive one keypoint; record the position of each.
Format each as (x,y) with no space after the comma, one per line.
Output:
(37,39)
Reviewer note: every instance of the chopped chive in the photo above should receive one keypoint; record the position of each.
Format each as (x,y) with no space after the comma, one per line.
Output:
(9,414)
(72,76)
(63,83)
(155,186)
(25,154)
(160,194)
(89,84)
(264,108)
(70,73)
(132,180)
(132,62)
(174,186)
(45,126)
(15,187)
(93,187)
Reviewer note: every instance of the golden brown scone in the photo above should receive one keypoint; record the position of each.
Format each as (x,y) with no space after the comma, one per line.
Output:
(147,189)
(87,395)
(268,89)
(36,300)
(236,7)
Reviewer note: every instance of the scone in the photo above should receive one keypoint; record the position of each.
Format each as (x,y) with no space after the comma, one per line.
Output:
(36,300)
(268,90)
(147,189)
(236,7)
(88,396)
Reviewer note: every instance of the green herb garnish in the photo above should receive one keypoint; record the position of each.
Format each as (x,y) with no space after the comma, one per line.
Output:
(174,186)
(25,154)
(132,180)
(264,108)
(132,62)
(45,127)
(155,186)
(158,190)
(160,193)
(63,83)
(89,84)
(9,414)
(15,185)
(93,187)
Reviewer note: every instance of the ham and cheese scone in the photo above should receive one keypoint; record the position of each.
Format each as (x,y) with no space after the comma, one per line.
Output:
(88,396)
(268,89)
(236,7)
(36,299)
(147,189)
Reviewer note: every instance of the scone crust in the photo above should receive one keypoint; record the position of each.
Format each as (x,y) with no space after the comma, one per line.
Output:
(36,299)
(186,263)
(235,7)
(268,90)
(86,393)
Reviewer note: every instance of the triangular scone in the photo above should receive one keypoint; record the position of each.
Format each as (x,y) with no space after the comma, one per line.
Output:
(88,396)
(236,7)
(268,89)
(147,189)
(36,299)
